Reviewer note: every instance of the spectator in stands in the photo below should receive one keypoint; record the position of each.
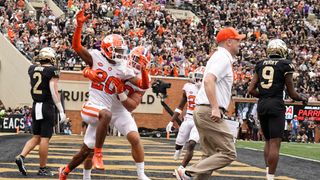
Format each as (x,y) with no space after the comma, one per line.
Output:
(295,128)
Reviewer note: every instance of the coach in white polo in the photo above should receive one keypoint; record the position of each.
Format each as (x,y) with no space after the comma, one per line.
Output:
(212,100)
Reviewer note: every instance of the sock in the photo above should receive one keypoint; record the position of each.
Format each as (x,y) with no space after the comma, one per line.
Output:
(140,168)
(97,150)
(267,170)
(86,173)
(270,176)
(67,170)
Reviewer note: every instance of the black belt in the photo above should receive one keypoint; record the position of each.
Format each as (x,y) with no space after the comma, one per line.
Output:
(208,105)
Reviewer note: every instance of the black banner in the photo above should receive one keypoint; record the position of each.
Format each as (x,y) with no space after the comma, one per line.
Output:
(312,112)
(11,122)
(244,109)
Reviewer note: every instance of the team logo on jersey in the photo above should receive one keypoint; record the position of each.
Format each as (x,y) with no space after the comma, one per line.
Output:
(110,69)
(100,64)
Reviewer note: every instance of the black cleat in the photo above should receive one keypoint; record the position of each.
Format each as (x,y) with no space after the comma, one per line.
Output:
(45,172)
(21,166)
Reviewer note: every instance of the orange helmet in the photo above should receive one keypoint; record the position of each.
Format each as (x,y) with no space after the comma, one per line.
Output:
(137,55)
(114,48)
(198,75)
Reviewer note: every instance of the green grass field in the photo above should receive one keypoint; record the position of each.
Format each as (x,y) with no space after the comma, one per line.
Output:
(311,151)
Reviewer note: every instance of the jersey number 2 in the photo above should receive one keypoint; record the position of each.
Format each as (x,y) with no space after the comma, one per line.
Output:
(35,89)
(267,75)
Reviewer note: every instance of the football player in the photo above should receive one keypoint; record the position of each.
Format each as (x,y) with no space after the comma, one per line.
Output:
(44,78)
(270,77)
(122,119)
(105,67)
(187,131)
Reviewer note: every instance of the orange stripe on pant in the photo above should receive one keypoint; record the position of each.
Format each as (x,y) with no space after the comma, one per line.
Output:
(89,114)
(91,108)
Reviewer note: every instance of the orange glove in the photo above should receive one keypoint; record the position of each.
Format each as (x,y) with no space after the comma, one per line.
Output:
(144,82)
(93,75)
(81,19)
(76,41)
(119,84)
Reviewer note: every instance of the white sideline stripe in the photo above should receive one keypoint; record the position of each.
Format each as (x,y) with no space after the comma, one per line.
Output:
(297,157)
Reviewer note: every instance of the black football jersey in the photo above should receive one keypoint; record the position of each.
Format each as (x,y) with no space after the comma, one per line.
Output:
(40,77)
(271,74)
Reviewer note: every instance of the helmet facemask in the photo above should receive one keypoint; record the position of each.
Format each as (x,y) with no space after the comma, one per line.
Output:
(198,78)
(119,54)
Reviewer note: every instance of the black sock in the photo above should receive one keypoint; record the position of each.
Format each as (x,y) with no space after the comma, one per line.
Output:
(42,168)
(22,156)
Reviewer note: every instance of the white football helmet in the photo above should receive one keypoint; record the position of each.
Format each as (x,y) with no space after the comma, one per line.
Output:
(198,75)
(114,48)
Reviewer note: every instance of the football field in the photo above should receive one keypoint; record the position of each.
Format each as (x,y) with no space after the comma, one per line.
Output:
(159,163)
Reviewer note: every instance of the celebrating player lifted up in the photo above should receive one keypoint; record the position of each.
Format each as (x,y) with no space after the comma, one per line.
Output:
(107,68)
(121,114)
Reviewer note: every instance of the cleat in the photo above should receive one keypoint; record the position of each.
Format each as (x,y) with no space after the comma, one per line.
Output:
(98,161)
(45,172)
(21,166)
(62,174)
(181,174)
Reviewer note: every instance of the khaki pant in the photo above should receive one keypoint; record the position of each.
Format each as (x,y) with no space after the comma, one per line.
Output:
(216,142)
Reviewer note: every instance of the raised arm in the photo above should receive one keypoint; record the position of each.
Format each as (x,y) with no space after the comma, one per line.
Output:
(76,40)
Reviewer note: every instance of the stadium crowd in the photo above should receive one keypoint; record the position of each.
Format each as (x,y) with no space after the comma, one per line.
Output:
(178,46)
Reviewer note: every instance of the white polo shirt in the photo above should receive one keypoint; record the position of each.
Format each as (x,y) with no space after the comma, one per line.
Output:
(220,65)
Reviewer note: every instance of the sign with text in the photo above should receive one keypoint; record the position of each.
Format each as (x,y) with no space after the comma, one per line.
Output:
(75,93)
(302,112)
(11,122)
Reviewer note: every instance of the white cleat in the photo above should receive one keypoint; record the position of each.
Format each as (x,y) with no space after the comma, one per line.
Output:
(143,177)
(176,170)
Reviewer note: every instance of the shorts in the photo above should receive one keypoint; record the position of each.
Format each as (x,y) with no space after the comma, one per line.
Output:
(44,127)
(90,112)
(124,122)
(187,131)
(271,114)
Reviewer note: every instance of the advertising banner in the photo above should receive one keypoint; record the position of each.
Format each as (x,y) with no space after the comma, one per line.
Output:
(11,122)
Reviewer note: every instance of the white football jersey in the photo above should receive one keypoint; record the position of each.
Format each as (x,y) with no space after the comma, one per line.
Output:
(103,93)
(191,92)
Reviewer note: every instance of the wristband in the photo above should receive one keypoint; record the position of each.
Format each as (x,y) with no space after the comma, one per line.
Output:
(178,111)
(122,96)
